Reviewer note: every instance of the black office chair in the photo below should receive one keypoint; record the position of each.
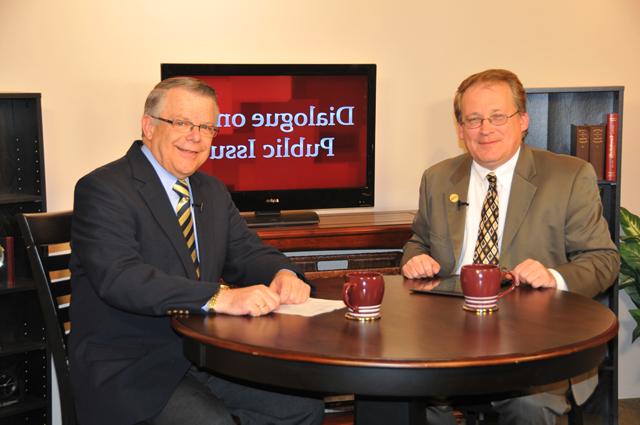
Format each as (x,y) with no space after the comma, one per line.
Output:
(47,236)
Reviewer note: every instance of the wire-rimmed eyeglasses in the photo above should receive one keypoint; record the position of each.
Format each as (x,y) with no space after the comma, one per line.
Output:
(494,119)
(184,126)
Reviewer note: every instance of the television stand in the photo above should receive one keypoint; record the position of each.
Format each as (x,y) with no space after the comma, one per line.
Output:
(370,240)
(279,218)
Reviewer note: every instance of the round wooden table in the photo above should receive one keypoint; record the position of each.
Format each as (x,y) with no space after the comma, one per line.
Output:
(424,345)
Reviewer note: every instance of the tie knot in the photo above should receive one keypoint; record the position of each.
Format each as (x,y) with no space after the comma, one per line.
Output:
(181,188)
(492,178)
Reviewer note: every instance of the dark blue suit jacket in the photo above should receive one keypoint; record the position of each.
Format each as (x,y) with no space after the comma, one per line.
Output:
(130,267)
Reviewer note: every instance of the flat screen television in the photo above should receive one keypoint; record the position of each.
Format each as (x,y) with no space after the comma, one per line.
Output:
(292,137)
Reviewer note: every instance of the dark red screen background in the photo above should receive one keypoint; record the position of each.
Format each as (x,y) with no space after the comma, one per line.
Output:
(277,94)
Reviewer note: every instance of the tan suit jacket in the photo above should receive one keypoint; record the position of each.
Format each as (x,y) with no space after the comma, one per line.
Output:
(554,216)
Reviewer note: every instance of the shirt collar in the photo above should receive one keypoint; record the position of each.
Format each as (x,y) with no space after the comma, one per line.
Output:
(167,179)
(504,172)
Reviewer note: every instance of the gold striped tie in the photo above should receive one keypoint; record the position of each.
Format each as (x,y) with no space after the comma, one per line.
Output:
(486,250)
(183,212)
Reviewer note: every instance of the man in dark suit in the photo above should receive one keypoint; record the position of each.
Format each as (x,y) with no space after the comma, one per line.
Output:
(549,230)
(133,265)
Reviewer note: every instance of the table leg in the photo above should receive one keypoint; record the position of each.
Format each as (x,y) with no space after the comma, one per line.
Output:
(384,411)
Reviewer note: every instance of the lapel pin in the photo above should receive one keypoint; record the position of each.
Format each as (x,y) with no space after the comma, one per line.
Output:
(454,198)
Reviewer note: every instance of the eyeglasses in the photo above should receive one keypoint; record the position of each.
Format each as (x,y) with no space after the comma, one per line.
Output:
(494,119)
(184,126)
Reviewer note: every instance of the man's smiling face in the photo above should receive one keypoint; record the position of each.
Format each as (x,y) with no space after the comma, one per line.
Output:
(181,154)
(492,145)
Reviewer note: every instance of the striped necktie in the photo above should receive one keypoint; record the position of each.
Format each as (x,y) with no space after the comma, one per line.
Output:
(183,212)
(486,250)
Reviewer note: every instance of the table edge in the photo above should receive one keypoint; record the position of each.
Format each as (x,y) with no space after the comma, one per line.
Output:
(606,336)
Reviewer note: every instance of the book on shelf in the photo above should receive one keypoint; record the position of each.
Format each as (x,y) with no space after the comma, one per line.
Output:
(611,148)
(596,148)
(580,141)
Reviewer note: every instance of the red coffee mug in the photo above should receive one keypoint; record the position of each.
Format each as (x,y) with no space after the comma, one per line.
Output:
(362,293)
(481,286)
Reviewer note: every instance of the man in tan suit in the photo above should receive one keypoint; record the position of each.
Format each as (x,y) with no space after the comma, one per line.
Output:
(550,228)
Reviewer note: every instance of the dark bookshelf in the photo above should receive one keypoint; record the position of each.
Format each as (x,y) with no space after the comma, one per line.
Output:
(552,111)
(24,360)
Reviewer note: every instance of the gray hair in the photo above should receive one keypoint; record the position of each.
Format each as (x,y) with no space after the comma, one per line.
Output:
(155,100)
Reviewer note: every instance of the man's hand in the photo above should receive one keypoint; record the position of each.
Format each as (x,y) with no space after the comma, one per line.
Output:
(256,300)
(290,288)
(420,266)
(533,273)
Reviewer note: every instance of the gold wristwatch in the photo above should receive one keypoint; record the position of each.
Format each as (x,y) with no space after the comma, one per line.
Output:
(211,304)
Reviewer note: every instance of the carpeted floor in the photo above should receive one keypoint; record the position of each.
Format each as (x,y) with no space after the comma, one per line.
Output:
(628,414)
(629,411)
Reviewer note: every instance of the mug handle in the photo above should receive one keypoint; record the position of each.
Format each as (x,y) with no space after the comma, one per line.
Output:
(345,295)
(514,283)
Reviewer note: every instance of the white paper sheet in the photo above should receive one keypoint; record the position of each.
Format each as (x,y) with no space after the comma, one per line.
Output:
(312,307)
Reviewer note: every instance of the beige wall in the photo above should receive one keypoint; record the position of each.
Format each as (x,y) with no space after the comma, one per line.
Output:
(94,62)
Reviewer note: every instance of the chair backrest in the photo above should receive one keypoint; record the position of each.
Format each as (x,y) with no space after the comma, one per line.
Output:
(47,237)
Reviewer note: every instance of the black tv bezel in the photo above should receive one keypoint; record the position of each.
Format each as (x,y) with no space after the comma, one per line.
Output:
(298,199)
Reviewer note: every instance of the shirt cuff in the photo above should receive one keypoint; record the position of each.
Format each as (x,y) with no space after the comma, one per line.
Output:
(560,283)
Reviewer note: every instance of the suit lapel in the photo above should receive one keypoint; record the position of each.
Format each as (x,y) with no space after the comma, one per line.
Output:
(456,214)
(154,195)
(522,193)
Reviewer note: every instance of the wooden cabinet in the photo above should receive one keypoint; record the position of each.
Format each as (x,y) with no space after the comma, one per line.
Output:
(340,239)
(24,371)
(552,111)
